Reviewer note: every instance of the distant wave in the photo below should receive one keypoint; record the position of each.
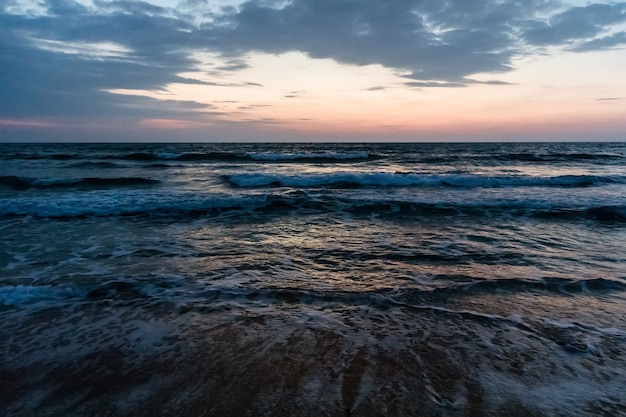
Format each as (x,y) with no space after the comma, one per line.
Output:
(386,179)
(167,156)
(134,156)
(540,158)
(348,155)
(34,156)
(551,157)
(315,157)
(22,183)
(95,165)
(250,157)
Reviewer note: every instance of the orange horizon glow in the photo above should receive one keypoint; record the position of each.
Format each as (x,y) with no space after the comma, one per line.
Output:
(172,124)
(324,97)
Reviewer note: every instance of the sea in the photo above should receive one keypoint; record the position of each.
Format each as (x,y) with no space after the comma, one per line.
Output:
(327,279)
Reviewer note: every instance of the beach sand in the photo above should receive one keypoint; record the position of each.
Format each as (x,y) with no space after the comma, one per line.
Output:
(183,360)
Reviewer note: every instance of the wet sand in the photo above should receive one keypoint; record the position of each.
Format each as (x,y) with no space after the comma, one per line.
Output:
(183,360)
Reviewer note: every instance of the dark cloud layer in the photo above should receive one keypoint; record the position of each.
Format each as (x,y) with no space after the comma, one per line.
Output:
(396,34)
(431,43)
(38,81)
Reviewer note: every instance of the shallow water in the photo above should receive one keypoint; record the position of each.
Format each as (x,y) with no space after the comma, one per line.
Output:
(328,279)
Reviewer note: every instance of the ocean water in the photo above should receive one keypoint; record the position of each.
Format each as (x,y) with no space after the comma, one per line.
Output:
(313,279)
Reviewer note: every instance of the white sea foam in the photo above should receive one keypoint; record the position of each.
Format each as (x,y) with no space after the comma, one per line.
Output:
(167,155)
(11,295)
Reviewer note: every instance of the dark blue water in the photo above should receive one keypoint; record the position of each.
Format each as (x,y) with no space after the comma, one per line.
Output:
(313,279)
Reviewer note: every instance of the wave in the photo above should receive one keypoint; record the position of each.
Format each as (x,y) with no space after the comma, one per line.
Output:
(18,295)
(532,209)
(583,156)
(137,156)
(96,165)
(552,157)
(423,296)
(143,202)
(387,179)
(159,166)
(539,158)
(21,183)
(311,157)
(250,157)
(607,213)
(34,157)
(356,156)
(443,288)
(167,156)
(548,284)
(104,203)
(424,154)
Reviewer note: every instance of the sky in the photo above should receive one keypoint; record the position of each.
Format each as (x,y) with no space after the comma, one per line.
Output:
(312,70)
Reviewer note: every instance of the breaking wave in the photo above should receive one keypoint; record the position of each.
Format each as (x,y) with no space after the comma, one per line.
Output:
(389,179)
(145,202)
(103,203)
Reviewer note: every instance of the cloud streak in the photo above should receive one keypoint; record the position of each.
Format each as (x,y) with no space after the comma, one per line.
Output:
(578,24)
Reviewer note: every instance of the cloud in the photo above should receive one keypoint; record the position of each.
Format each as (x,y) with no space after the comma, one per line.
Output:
(465,82)
(606,42)
(62,57)
(446,42)
(41,78)
(233,65)
(171,124)
(30,123)
(430,84)
(576,24)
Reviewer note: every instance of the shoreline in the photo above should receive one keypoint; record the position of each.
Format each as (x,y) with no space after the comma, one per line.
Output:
(186,362)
